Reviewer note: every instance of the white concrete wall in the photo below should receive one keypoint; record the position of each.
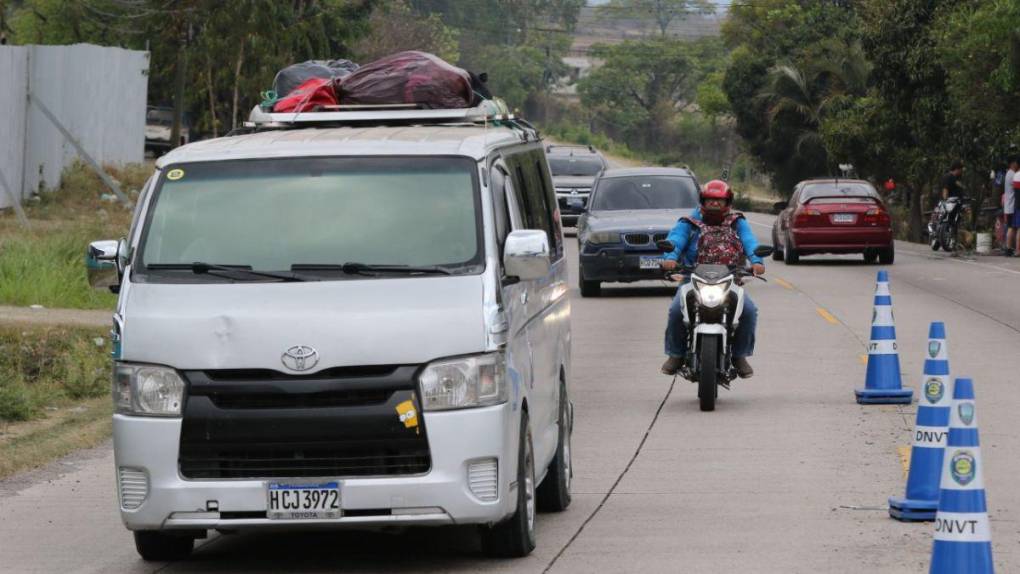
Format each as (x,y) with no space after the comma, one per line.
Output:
(13,86)
(97,93)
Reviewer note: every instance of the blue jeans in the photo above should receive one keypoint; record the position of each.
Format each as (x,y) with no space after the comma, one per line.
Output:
(676,330)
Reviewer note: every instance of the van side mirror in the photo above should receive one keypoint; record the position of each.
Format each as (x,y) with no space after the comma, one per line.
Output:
(104,263)
(778,207)
(526,254)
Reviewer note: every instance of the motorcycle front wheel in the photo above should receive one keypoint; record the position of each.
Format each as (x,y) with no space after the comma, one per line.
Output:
(707,375)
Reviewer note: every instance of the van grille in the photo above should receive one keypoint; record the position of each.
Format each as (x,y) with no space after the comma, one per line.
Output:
(265,424)
(636,238)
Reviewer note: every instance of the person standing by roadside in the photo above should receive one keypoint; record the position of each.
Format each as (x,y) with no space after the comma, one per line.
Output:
(951,186)
(1009,206)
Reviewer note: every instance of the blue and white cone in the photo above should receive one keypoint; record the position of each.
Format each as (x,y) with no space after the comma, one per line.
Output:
(922,496)
(882,384)
(963,537)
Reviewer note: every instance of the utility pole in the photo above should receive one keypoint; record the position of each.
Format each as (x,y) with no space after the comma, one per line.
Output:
(182,62)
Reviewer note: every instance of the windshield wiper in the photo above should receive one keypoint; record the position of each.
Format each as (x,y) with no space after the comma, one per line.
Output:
(353,268)
(200,268)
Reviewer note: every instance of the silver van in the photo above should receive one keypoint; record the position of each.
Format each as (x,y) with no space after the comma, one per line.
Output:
(343,319)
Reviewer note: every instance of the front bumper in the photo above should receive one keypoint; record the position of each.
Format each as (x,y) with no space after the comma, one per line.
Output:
(618,265)
(440,496)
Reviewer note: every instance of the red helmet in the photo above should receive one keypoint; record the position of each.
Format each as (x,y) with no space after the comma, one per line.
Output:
(717,189)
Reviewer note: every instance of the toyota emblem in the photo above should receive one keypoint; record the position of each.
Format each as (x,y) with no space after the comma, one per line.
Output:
(300,358)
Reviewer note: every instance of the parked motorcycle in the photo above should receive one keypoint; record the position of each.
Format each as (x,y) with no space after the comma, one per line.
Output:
(714,302)
(945,223)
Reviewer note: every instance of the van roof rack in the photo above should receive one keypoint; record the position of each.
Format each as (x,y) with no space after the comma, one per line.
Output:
(488,111)
(588,147)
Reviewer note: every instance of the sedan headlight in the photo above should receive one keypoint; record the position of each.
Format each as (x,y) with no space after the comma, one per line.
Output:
(148,390)
(475,381)
(712,295)
(604,237)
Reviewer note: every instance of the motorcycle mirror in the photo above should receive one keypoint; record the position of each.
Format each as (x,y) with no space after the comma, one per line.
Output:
(665,245)
(764,250)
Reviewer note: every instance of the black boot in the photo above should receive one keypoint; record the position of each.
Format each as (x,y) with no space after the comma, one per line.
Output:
(743,368)
(672,365)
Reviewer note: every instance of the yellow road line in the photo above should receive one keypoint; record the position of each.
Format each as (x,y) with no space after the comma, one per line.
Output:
(863,359)
(904,459)
(783,283)
(827,316)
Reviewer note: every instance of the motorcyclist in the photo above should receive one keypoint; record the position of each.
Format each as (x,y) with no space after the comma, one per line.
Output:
(715,210)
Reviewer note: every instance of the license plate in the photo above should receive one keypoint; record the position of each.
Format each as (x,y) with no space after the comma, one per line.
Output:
(302,501)
(650,262)
(844,218)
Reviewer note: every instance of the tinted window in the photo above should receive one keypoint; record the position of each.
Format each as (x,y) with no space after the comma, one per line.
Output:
(838,189)
(646,192)
(536,201)
(272,214)
(577,166)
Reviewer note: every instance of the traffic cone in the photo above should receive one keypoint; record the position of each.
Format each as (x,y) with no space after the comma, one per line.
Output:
(882,384)
(922,497)
(963,537)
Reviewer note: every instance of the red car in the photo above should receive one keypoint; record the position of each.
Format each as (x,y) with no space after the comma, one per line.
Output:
(833,216)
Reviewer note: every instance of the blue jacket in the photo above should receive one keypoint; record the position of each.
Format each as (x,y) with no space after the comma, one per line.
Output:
(685,237)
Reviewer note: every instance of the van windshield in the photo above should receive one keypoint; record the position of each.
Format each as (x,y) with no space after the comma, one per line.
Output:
(274,214)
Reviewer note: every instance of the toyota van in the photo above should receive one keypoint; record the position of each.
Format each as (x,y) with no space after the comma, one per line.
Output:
(342,319)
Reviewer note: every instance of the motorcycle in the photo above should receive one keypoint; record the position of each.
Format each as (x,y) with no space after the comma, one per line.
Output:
(945,223)
(714,301)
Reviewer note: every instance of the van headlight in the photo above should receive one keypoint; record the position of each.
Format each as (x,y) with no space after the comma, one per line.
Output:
(475,381)
(712,295)
(147,390)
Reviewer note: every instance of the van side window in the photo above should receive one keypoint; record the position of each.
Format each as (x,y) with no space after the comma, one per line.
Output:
(533,202)
(499,210)
(542,172)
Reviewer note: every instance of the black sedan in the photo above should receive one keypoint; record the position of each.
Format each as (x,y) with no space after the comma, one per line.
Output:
(629,210)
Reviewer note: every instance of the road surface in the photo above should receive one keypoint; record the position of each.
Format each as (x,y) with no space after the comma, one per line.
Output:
(788,475)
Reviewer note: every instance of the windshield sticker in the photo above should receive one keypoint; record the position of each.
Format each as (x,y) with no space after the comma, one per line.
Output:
(175,174)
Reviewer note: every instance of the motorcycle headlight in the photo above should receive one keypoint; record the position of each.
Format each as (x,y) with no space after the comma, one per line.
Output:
(475,381)
(712,295)
(147,390)
(604,237)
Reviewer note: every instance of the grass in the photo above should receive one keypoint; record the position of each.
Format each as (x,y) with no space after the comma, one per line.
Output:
(44,265)
(54,393)
(47,368)
(32,444)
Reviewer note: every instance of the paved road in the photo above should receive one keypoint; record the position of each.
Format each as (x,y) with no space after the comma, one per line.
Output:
(788,475)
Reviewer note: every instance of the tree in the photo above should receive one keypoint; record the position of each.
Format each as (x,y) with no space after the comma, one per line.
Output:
(396,28)
(662,13)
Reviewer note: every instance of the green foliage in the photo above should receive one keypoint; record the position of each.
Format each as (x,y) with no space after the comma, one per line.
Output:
(660,13)
(395,27)
(43,366)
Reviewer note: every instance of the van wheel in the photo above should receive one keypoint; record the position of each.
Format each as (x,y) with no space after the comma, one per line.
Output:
(154,546)
(588,288)
(515,537)
(554,492)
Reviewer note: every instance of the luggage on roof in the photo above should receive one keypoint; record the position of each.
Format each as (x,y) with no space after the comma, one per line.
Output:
(295,75)
(408,78)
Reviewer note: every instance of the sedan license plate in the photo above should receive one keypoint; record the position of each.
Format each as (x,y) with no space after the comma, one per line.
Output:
(650,262)
(844,218)
(302,501)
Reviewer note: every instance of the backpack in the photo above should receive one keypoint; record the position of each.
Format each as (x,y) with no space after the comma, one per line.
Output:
(719,244)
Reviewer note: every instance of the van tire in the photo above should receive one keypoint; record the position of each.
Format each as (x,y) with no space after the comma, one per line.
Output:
(790,254)
(515,536)
(155,546)
(553,495)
